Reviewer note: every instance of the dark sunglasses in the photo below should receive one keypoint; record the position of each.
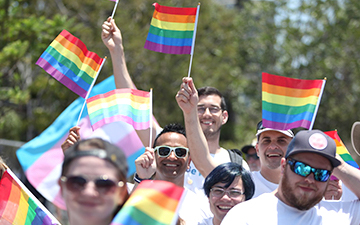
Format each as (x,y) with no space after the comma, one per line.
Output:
(254,156)
(165,151)
(305,170)
(103,184)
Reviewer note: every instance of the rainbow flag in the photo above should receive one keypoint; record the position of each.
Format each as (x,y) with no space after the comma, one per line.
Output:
(172,30)
(289,103)
(18,206)
(68,61)
(129,105)
(341,149)
(152,203)
(42,157)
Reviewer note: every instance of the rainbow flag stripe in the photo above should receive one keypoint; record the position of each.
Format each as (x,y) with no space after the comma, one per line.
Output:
(341,149)
(16,207)
(152,203)
(171,30)
(289,103)
(129,105)
(68,61)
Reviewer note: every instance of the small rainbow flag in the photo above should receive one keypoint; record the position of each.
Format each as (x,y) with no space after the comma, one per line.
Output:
(18,206)
(289,103)
(152,203)
(129,105)
(341,149)
(172,30)
(68,61)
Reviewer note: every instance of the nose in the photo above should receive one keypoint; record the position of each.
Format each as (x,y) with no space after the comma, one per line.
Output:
(310,178)
(90,189)
(172,156)
(226,196)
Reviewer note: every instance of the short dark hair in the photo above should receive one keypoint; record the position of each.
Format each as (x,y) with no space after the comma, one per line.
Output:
(172,127)
(207,90)
(226,173)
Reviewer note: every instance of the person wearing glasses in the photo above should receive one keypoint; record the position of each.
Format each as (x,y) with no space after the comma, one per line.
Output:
(168,160)
(309,162)
(93,181)
(251,157)
(226,186)
(212,111)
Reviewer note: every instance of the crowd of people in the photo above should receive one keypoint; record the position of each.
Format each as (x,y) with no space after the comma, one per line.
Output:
(286,178)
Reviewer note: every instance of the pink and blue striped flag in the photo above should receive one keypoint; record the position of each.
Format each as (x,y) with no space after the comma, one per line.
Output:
(68,61)
(129,105)
(41,158)
(18,206)
(153,202)
(172,30)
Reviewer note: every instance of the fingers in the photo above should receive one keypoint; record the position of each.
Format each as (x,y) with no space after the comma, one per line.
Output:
(146,159)
(186,90)
(73,137)
(333,191)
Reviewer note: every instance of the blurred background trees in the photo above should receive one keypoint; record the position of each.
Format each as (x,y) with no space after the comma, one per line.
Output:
(299,39)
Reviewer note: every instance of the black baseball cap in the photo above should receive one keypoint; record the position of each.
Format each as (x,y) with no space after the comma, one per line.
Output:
(313,141)
(246,148)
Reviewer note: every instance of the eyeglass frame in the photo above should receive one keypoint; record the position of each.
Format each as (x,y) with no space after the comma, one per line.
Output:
(202,109)
(172,149)
(292,162)
(226,191)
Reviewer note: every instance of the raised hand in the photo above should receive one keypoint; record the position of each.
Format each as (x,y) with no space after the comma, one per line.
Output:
(187,97)
(145,164)
(73,137)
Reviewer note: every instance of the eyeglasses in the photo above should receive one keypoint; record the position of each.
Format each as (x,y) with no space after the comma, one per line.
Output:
(305,170)
(232,193)
(165,151)
(253,156)
(212,109)
(103,184)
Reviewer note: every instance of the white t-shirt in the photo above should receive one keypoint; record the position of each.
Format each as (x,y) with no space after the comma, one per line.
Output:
(190,210)
(261,184)
(208,221)
(268,209)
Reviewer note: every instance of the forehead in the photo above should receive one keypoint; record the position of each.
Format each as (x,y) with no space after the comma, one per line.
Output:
(208,100)
(237,183)
(172,139)
(251,151)
(272,134)
(313,159)
(91,166)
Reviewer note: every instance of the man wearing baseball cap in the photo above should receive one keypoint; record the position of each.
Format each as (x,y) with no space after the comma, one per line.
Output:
(270,147)
(309,162)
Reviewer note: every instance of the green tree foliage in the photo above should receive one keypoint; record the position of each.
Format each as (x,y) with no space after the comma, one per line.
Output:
(300,39)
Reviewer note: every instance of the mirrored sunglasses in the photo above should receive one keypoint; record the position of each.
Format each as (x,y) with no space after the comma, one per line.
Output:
(219,192)
(103,184)
(165,151)
(305,170)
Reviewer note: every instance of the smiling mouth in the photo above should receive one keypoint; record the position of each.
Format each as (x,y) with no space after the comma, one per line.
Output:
(224,207)
(274,155)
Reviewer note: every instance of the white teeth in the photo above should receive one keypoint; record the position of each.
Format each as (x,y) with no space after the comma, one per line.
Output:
(225,207)
(173,165)
(273,155)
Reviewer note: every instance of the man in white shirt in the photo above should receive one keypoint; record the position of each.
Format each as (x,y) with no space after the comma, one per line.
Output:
(305,173)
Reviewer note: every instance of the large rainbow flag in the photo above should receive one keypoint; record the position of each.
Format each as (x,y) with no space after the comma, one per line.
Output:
(42,157)
(289,103)
(341,149)
(129,105)
(172,30)
(68,61)
(152,203)
(18,206)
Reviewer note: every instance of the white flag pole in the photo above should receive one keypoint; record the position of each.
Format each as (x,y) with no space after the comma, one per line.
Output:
(151,115)
(193,39)
(88,93)
(113,12)
(318,103)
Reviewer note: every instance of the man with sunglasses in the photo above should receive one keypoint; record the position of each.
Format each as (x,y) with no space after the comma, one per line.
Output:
(309,162)
(251,157)
(168,160)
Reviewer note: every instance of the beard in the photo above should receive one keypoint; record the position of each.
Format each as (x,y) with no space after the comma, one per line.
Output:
(210,134)
(302,202)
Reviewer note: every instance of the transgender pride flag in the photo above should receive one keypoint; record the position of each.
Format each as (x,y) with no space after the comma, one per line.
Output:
(41,158)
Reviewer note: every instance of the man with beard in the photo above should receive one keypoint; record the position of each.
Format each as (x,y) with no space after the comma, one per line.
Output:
(306,169)
(168,160)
